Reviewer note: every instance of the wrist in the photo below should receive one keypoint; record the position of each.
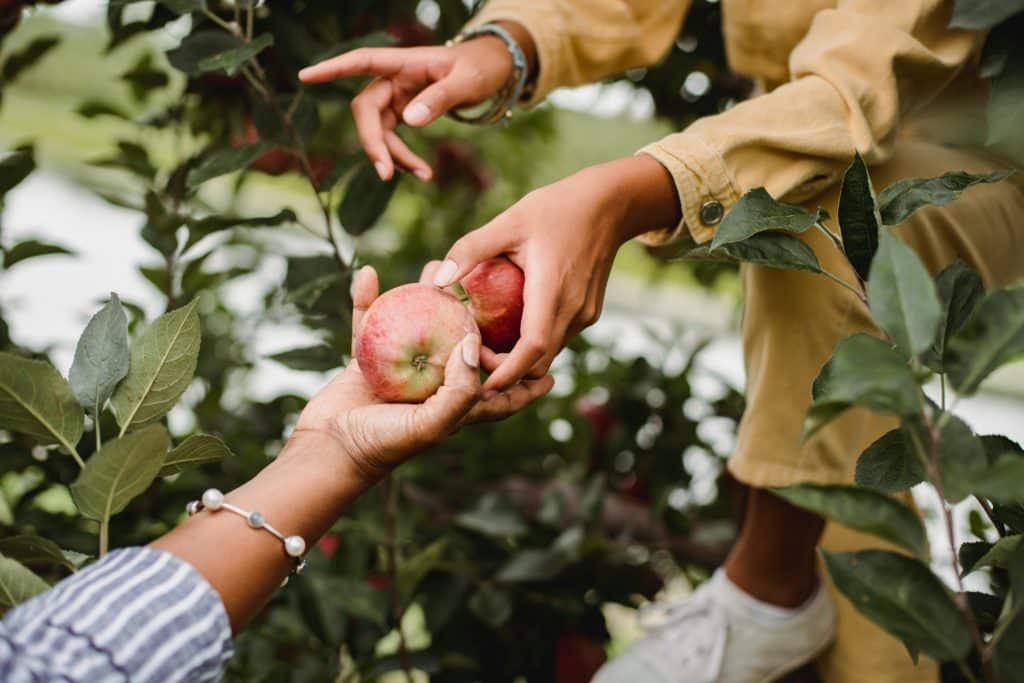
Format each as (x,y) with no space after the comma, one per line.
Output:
(327,454)
(643,193)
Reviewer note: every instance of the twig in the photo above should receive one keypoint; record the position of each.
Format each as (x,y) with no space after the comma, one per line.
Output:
(840,281)
(838,242)
(990,513)
(390,514)
(104,536)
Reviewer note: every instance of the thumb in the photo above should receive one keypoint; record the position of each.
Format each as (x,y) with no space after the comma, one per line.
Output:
(493,239)
(453,90)
(442,412)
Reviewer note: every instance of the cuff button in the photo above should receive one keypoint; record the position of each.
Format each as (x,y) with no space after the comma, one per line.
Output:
(711,213)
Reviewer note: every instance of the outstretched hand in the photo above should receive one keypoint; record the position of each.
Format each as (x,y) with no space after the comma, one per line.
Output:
(379,436)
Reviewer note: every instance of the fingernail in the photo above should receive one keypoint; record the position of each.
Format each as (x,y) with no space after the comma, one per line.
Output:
(304,73)
(471,351)
(381,169)
(416,114)
(445,273)
(422,174)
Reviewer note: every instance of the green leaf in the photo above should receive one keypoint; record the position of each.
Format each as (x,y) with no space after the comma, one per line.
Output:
(29,249)
(15,167)
(203,227)
(34,550)
(991,337)
(340,170)
(902,296)
(27,57)
(1002,482)
(960,289)
(1008,637)
(412,571)
(999,554)
(232,60)
(91,109)
(366,197)
(163,360)
(997,445)
(889,464)
(17,583)
(491,605)
(859,220)
(901,595)
(198,449)
(983,14)
(319,358)
(354,597)
(184,6)
(35,400)
(898,201)
(121,470)
(961,458)
(493,516)
(542,564)
(864,510)
(970,552)
(226,160)
(773,249)
(1006,103)
(757,212)
(101,357)
(864,371)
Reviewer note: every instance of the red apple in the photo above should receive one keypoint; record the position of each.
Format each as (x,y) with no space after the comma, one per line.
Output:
(406,338)
(494,294)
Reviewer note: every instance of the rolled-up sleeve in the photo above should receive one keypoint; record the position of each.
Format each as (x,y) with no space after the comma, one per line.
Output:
(138,615)
(860,70)
(582,41)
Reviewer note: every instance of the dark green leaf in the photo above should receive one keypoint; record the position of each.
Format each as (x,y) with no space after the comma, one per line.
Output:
(130,157)
(756,212)
(366,197)
(101,356)
(340,170)
(898,201)
(27,57)
(202,45)
(198,449)
(412,571)
(901,595)
(1011,516)
(542,564)
(1003,481)
(34,550)
(226,160)
(1006,103)
(493,516)
(773,249)
(184,6)
(902,296)
(961,458)
(15,167)
(864,510)
(983,14)
(999,554)
(999,46)
(997,445)
(17,583)
(1008,638)
(163,361)
(960,289)
(890,464)
(355,597)
(90,109)
(198,228)
(491,605)
(992,336)
(319,358)
(969,554)
(864,371)
(35,400)
(859,220)
(28,249)
(985,608)
(121,470)
(232,60)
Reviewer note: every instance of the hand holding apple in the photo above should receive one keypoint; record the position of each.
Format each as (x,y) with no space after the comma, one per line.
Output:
(494,295)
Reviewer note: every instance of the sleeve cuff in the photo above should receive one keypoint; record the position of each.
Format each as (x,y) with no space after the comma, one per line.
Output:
(706,190)
(543,24)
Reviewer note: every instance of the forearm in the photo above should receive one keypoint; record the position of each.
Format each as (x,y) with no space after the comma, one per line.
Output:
(302,492)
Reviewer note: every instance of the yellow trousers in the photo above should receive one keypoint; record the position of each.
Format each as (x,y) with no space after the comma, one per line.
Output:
(792,322)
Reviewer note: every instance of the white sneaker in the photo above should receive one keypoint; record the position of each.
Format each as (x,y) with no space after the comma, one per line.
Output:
(720,634)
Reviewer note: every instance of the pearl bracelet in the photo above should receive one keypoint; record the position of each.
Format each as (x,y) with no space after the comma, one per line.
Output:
(213,500)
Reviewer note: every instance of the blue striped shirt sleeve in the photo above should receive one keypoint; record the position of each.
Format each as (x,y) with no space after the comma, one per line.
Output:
(139,615)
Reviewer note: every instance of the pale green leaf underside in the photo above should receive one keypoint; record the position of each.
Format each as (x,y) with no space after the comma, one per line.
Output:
(101,356)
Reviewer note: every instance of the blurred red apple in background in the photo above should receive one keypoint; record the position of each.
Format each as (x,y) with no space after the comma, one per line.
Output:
(577,658)
(494,294)
(406,338)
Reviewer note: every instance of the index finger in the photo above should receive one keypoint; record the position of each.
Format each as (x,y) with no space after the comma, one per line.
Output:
(538,333)
(380,61)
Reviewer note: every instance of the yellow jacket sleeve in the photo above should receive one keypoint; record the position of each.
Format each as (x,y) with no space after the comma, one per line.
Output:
(582,41)
(861,68)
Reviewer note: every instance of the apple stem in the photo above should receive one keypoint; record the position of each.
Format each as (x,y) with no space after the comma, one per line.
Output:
(420,362)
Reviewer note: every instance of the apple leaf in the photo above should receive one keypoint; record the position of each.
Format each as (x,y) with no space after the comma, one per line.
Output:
(757,212)
(890,464)
(991,337)
(960,289)
(366,197)
(898,201)
(121,470)
(17,583)
(859,220)
(983,14)
(101,356)
(197,449)
(36,401)
(902,296)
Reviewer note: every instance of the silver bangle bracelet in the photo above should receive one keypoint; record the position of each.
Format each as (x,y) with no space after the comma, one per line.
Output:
(511,92)
(213,500)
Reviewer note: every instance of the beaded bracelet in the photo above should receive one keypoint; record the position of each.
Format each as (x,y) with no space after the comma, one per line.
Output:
(511,92)
(213,500)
